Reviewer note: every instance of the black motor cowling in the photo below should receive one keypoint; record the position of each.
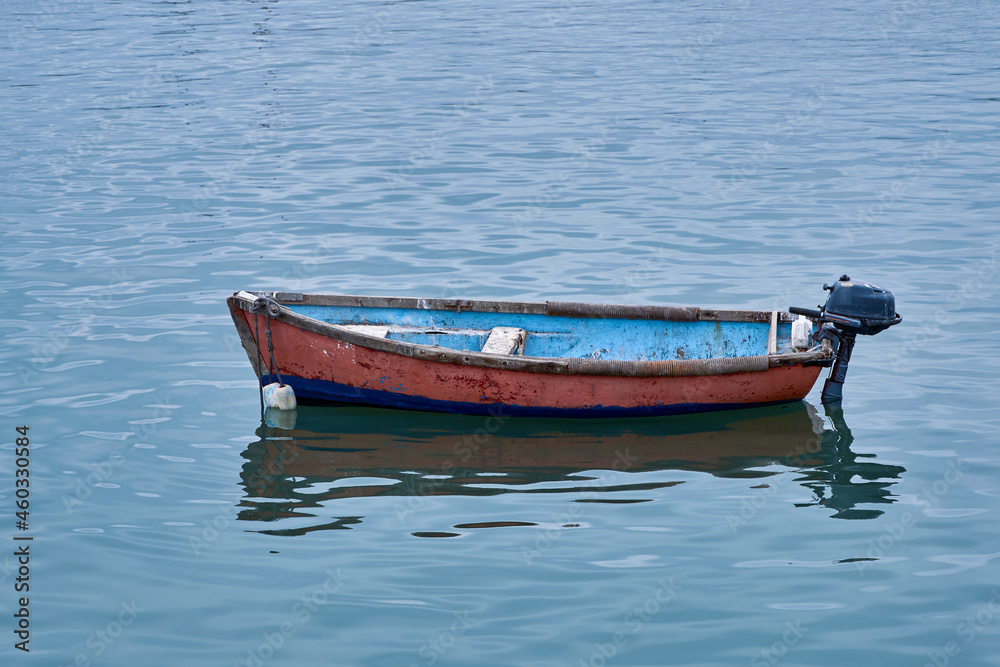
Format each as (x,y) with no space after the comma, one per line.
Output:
(874,308)
(853,307)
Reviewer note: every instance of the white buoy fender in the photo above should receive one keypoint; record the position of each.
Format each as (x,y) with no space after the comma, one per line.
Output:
(279,396)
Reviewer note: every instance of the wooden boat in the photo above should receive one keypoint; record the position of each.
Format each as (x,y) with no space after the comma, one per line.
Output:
(552,359)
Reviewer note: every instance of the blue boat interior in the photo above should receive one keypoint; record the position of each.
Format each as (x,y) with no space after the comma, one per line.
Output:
(561,337)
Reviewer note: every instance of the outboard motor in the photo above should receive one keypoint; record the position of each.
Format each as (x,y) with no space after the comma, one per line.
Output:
(853,308)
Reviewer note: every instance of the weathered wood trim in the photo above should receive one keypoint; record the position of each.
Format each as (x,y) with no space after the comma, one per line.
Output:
(452,305)
(552,308)
(670,367)
(792,358)
(620,312)
(772,334)
(741,315)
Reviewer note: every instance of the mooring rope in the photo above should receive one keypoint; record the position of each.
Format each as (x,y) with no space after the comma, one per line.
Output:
(271,309)
(260,361)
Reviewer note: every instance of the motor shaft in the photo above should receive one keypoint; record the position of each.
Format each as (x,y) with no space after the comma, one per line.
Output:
(833,390)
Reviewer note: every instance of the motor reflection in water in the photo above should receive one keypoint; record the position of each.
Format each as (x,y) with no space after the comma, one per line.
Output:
(304,460)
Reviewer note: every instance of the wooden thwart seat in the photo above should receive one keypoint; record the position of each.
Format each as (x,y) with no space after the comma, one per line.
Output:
(377,330)
(505,340)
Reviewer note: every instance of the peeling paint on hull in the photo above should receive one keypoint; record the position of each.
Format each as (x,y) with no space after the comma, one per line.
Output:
(323,370)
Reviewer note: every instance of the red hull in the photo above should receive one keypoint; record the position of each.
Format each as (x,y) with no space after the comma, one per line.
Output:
(322,369)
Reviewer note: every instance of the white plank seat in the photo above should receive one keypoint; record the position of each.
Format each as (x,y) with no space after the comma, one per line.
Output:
(505,340)
(377,330)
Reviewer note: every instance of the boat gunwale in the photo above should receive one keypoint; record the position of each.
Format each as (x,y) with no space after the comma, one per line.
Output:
(601,310)
(557,365)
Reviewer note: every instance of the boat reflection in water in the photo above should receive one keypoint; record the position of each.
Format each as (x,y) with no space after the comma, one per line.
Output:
(304,460)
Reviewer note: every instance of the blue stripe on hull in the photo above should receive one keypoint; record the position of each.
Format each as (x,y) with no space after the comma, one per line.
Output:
(322,391)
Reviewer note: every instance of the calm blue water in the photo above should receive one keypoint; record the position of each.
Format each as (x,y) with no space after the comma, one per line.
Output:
(158,156)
